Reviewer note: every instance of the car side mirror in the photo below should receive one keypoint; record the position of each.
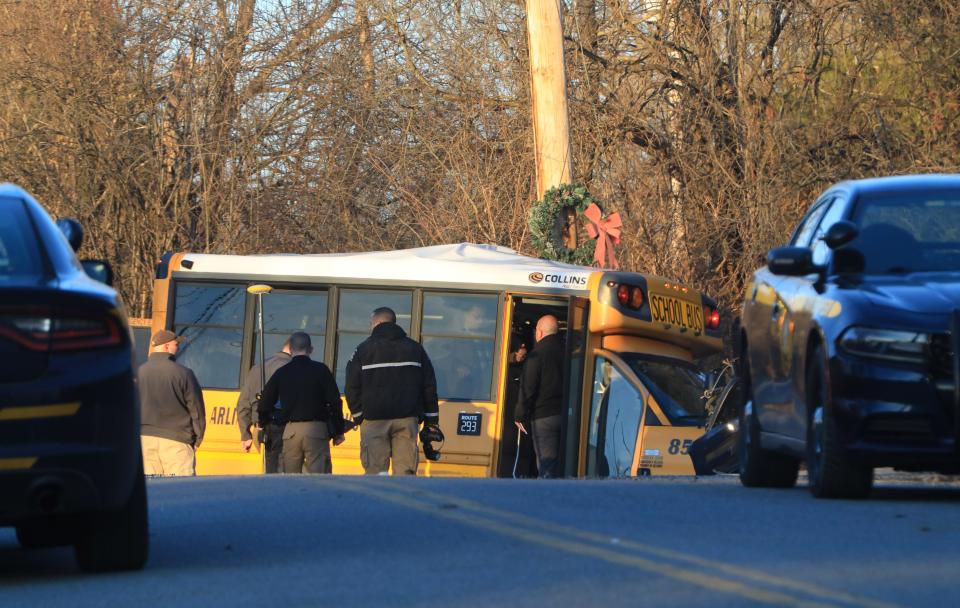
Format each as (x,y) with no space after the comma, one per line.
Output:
(840,234)
(791,261)
(71,229)
(98,270)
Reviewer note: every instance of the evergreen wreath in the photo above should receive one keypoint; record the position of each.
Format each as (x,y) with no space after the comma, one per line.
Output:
(545,225)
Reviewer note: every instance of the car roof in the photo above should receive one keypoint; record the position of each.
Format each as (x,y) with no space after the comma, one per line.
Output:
(931,181)
(8,190)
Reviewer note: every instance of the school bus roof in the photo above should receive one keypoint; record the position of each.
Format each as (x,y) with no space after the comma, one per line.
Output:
(463,264)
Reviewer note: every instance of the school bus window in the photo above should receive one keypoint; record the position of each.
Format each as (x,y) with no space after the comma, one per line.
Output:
(285,312)
(615,412)
(141,344)
(210,318)
(459,334)
(353,320)
(677,387)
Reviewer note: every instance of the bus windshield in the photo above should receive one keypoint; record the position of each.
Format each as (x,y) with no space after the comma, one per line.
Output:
(678,387)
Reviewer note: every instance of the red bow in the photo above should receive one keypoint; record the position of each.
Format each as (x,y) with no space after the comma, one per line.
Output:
(607,233)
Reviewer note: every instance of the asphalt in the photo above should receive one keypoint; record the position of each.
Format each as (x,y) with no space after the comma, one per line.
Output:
(353,541)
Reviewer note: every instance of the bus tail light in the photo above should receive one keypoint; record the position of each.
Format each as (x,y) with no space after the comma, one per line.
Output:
(60,331)
(630,296)
(711,318)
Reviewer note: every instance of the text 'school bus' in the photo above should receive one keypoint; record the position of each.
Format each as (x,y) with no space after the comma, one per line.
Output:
(633,391)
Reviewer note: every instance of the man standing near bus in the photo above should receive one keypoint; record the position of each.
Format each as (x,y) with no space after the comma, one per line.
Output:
(172,416)
(541,394)
(390,388)
(247,415)
(303,394)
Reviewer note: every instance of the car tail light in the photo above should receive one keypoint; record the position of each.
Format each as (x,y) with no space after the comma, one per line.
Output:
(60,330)
(711,318)
(623,294)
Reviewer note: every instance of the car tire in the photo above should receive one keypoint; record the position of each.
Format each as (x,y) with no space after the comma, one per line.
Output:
(117,540)
(760,468)
(45,533)
(832,473)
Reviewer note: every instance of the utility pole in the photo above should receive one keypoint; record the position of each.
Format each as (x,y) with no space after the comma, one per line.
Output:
(548,90)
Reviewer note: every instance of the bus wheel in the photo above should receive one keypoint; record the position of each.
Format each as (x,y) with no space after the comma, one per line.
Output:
(760,468)
(117,540)
(832,474)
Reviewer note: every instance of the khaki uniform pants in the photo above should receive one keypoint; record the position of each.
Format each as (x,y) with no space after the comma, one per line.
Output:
(381,440)
(306,447)
(167,457)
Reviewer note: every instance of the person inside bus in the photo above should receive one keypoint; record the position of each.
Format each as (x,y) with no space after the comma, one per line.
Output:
(541,392)
(247,418)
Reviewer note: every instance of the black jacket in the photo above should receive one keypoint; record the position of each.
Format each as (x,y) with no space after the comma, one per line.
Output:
(390,376)
(303,390)
(247,414)
(541,382)
(171,404)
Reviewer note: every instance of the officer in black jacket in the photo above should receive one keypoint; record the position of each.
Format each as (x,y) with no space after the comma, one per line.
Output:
(303,394)
(390,388)
(541,395)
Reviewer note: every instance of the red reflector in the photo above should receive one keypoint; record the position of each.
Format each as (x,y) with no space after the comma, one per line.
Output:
(711,318)
(623,294)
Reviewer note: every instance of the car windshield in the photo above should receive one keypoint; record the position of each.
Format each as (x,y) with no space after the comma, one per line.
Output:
(19,252)
(909,232)
(677,386)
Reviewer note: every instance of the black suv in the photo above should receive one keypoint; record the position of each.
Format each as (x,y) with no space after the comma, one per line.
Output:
(71,472)
(850,337)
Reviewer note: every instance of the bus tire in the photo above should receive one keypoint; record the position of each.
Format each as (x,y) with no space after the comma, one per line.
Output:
(831,471)
(760,468)
(117,540)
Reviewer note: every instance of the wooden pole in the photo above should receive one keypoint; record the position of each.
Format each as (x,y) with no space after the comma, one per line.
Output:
(548,90)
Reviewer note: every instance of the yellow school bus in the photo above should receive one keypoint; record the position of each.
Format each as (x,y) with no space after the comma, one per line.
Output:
(633,391)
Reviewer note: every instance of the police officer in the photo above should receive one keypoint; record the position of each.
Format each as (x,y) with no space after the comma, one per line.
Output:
(303,394)
(390,388)
(247,415)
(541,393)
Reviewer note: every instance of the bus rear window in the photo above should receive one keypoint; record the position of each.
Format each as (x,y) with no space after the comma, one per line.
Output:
(19,250)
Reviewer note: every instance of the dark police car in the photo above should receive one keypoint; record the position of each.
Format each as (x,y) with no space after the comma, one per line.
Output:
(849,340)
(70,466)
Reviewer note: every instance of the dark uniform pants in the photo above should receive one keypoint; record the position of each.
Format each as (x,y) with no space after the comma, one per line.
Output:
(546,444)
(272,447)
(306,447)
(383,440)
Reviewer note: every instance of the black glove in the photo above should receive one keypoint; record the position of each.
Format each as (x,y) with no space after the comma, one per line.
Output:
(357,420)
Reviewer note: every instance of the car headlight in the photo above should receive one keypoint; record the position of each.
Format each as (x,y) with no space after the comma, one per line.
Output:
(889,344)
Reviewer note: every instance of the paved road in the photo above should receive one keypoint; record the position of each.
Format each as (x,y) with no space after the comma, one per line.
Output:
(347,541)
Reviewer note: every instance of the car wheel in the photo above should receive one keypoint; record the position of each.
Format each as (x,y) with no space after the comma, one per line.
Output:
(117,540)
(832,472)
(45,533)
(760,468)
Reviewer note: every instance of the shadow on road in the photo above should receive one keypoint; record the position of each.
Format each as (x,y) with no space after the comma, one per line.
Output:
(916,493)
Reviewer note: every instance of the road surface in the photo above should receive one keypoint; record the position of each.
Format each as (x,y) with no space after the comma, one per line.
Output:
(353,541)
